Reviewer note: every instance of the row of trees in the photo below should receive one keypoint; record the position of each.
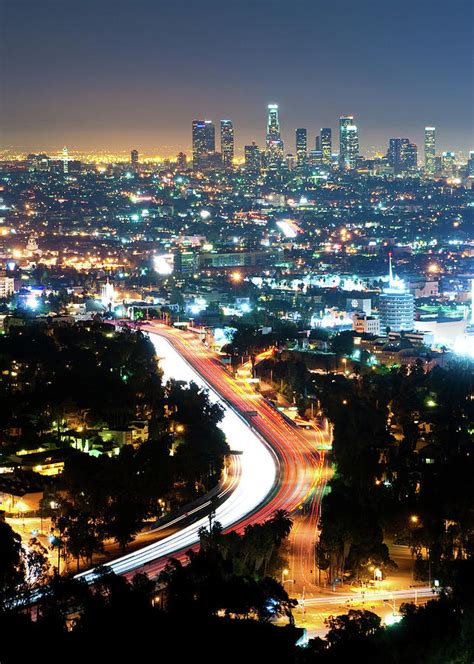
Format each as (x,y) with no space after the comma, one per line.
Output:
(101,498)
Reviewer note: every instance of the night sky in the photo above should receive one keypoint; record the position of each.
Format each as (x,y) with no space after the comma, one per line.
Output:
(120,74)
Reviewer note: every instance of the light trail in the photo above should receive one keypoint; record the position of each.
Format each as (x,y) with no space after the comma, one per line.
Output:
(280,467)
(371,596)
(258,472)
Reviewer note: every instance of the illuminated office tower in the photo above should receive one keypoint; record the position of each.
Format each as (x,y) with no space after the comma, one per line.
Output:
(317,143)
(301,147)
(274,143)
(396,154)
(227,143)
(134,160)
(326,145)
(204,142)
(65,161)
(348,143)
(430,150)
(402,155)
(410,157)
(252,158)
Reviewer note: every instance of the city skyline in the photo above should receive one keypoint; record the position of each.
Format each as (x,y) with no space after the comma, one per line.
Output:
(116,77)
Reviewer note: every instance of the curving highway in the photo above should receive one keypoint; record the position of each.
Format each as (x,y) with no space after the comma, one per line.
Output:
(278,467)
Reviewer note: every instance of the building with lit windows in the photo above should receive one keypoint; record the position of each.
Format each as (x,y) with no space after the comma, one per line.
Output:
(348,143)
(410,157)
(430,150)
(227,143)
(402,155)
(274,144)
(396,305)
(365,324)
(326,145)
(301,146)
(253,158)
(204,142)
(396,154)
(134,160)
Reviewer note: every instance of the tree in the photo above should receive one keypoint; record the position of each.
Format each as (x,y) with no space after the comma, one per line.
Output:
(12,564)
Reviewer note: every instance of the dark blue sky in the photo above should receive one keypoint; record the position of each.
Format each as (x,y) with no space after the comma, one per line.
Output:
(122,74)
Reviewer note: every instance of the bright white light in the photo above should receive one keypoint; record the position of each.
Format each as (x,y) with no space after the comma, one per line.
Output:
(287,229)
(163,263)
(204,214)
(32,301)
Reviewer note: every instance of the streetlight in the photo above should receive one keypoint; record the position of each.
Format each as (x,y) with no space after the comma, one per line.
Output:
(283,574)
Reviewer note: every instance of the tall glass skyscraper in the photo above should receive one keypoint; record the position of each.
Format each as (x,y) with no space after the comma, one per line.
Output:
(301,146)
(348,142)
(274,143)
(227,143)
(326,145)
(430,150)
(204,142)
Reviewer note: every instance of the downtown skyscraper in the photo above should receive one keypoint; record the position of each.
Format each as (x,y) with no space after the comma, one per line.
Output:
(430,150)
(274,144)
(301,146)
(204,142)
(252,158)
(348,143)
(325,142)
(227,143)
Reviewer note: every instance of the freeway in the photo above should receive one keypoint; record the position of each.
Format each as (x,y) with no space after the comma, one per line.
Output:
(279,466)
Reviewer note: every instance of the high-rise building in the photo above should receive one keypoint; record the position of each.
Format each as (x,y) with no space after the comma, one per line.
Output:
(396,305)
(204,142)
(326,145)
(253,158)
(274,143)
(411,157)
(430,150)
(396,154)
(134,160)
(402,155)
(227,143)
(317,143)
(301,146)
(348,143)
